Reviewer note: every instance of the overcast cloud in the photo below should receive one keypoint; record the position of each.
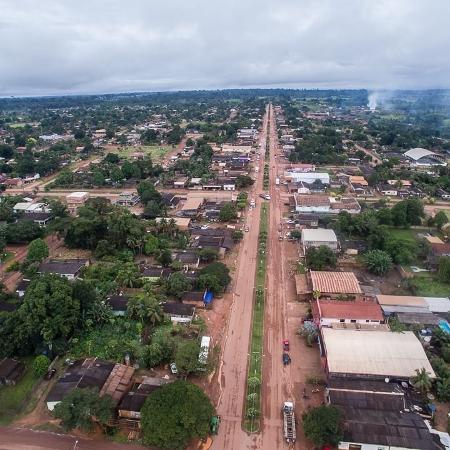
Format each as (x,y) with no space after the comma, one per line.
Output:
(97,46)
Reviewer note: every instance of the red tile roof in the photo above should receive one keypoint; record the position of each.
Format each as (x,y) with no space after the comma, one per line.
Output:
(335,309)
(335,282)
(312,200)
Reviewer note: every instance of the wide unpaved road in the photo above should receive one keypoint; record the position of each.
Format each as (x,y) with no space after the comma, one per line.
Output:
(282,318)
(233,370)
(25,439)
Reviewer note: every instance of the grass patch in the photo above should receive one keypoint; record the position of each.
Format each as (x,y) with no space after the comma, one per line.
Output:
(156,152)
(252,411)
(427,285)
(12,398)
(406,234)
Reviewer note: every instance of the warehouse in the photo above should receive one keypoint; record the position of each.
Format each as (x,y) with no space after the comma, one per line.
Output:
(375,355)
(318,237)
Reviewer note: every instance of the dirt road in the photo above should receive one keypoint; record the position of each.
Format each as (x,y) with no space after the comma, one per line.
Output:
(26,439)
(282,318)
(233,369)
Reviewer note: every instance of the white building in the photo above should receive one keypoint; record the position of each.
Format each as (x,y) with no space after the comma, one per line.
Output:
(318,237)
(424,157)
(307,177)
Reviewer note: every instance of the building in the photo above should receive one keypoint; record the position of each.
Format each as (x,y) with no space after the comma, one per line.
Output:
(118,304)
(436,251)
(76,199)
(155,273)
(180,183)
(128,199)
(179,312)
(129,408)
(11,370)
(40,218)
(424,157)
(69,268)
(376,355)
(318,237)
(380,416)
(192,206)
(189,259)
(323,204)
(306,177)
(329,313)
(22,287)
(181,222)
(108,377)
(334,285)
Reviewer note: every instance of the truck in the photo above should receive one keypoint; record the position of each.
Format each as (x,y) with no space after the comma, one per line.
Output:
(277,181)
(289,422)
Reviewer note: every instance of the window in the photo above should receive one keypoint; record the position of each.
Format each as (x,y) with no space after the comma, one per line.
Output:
(367,321)
(353,321)
(354,447)
(342,320)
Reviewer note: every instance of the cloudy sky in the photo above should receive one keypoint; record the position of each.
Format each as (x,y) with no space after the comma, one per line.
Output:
(99,46)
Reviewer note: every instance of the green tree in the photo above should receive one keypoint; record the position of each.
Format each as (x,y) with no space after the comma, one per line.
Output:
(444,269)
(422,381)
(165,258)
(217,274)
(440,219)
(175,414)
(37,250)
(443,390)
(151,245)
(128,275)
(243,181)
(49,311)
(82,408)
(378,261)
(208,254)
(146,309)
(177,284)
(320,258)
(40,365)
(322,425)
(186,357)
(228,212)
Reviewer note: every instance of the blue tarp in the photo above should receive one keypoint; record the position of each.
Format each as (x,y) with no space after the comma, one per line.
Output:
(208,297)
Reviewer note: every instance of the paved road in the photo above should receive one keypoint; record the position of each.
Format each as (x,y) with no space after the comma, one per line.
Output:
(26,439)
(233,370)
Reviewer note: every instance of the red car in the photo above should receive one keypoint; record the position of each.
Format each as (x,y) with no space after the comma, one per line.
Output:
(286,345)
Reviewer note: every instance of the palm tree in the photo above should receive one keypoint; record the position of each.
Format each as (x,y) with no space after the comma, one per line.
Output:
(316,294)
(422,381)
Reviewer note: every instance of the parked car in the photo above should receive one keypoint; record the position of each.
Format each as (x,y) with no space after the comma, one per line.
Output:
(286,345)
(173,368)
(286,359)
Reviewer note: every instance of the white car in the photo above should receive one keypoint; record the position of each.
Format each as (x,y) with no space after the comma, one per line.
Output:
(204,227)
(173,368)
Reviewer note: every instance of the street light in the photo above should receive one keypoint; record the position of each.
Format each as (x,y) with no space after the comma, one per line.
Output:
(75,445)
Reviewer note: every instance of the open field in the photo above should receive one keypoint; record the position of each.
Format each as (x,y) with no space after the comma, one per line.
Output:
(13,397)
(253,401)
(427,284)
(404,233)
(156,152)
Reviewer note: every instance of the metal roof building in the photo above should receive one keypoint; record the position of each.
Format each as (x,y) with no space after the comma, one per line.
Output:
(373,354)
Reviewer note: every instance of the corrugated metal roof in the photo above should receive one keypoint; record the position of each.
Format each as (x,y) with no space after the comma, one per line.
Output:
(376,353)
(319,234)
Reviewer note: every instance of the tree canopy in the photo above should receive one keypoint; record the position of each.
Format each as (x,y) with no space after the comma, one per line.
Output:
(175,414)
(322,425)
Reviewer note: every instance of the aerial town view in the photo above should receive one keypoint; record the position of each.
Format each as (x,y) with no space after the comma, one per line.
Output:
(226,244)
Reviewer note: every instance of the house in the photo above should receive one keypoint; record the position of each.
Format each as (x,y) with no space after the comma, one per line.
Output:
(329,313)
(219,239)
(179,312)
(118,304)
(169,200)
(200,299)
(318,237)
(372,355)
(180,183)
(421,307)
(154,273)
(189,259)
(22,287)
(76,199)
(69,268)
(128,199)
(11,370)
(334,285)
(307,177)
(436,252)
(108,377)
(323,204)
(129,408)
(192,206)
(379,415)
(41,218)
(358,184)
(425,158)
